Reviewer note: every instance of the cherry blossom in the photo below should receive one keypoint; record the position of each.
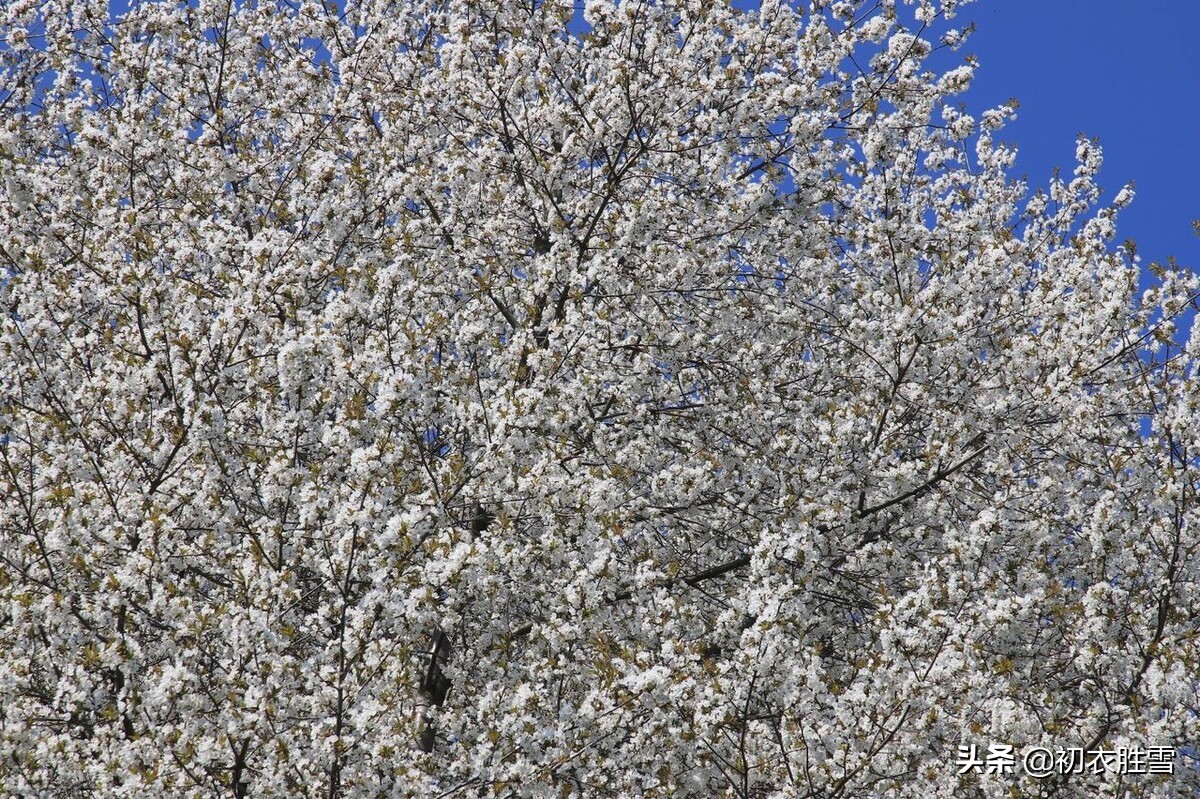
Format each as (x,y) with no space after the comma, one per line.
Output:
(465,398)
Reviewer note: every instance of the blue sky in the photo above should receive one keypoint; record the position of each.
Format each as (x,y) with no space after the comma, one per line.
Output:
(1125,72)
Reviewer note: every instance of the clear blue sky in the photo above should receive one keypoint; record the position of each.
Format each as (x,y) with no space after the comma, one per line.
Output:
(1125,72)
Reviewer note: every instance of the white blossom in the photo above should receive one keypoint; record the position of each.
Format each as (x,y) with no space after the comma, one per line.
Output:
(510,399)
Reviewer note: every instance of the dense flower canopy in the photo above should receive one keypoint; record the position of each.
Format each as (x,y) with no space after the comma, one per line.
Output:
(495,398)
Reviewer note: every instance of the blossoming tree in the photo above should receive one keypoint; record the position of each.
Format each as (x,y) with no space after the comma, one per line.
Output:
(495,398)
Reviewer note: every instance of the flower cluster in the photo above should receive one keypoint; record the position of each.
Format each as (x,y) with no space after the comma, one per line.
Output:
(491,398)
